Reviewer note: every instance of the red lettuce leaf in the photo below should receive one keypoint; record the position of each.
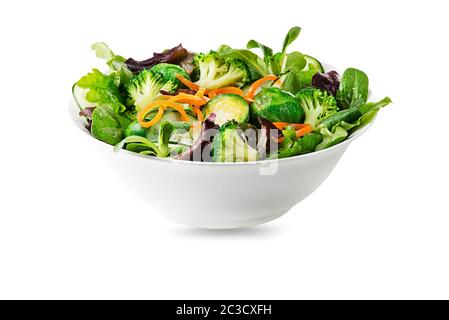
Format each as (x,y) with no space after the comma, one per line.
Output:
(329,82)
(87,113)
(268,137)
(177,55)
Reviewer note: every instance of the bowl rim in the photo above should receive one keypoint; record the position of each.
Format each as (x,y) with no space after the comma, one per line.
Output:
(76,119)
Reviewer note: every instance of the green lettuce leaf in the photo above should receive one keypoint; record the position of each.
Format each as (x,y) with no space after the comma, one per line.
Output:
(306,144)
(103,90)
(334,132)
(115,62)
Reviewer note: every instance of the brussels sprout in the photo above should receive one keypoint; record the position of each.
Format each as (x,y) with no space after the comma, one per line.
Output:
(228,107)
(135,129)
(231,145)
(276,105)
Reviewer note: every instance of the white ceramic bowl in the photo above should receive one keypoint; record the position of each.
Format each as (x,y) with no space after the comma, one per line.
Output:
(221,195)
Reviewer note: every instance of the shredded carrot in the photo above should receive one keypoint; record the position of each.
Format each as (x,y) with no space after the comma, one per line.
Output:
(188,98)
(303,131)
(189,84)
(201,92)
(283,125)
(199,114)
(225,90)
(162,105)
(256,84)
(153,121)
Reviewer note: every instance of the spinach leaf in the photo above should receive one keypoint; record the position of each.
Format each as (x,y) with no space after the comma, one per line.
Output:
(294,78)
(107,125)
(292,82)
(291,36)
(295,61)
(370,109)
(276,63)
(103,90)
(266,51)
(353,90)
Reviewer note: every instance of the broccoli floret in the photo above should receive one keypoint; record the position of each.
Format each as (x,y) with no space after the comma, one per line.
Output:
(231,145)
(215,72)
(144,88)
(317,105)
(168,72)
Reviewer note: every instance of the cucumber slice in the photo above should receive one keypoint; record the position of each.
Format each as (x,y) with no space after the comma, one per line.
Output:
(79,95)
(313,64)
(228,107)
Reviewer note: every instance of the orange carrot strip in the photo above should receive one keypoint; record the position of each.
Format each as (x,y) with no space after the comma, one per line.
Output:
(199,114)
(304,131)
(153,121)
(256,84)
(281,139)
(225,90)
(163,97)
(201,92)
(143,113)
(189,84)
(188,98)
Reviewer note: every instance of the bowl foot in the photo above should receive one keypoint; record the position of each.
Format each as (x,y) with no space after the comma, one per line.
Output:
(227,224)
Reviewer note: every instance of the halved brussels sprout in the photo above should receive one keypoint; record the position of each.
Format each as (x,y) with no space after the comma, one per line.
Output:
(276,105)
(231,145)
(228,107)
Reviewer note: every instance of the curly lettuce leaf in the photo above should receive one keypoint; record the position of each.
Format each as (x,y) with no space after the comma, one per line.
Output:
(115,62)
(331,137)
(304,145)
(103,90)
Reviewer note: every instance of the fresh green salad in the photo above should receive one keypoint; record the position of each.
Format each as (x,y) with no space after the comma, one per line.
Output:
(226,105)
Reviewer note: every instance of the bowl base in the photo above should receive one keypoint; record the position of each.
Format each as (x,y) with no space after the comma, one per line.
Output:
(228,224)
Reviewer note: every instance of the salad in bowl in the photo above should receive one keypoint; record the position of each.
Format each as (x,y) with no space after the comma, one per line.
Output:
(227,105)
(226,138)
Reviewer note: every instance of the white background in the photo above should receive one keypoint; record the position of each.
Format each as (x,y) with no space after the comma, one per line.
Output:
(377,228)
